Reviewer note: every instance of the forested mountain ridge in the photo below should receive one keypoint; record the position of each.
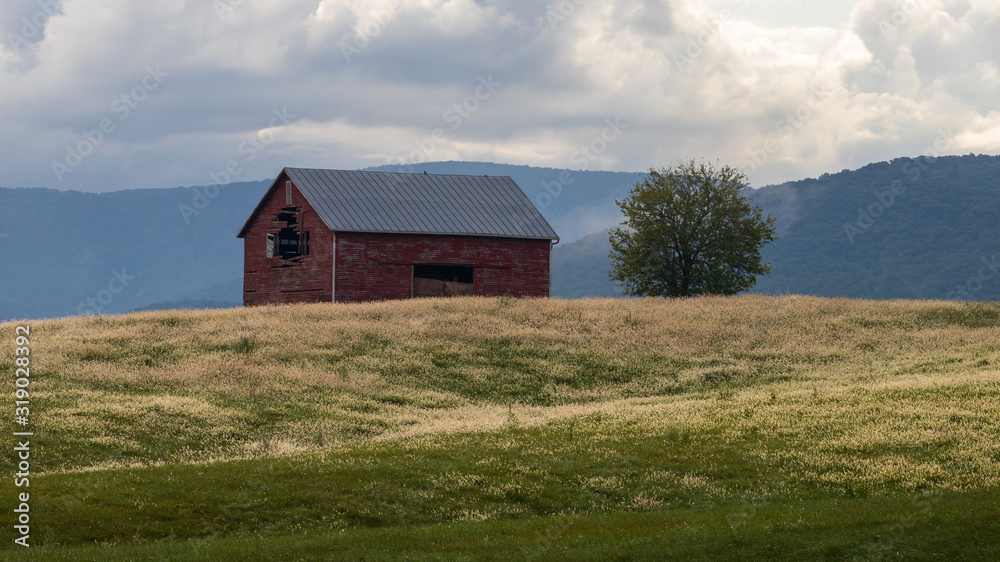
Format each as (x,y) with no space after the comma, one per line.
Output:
(923,228)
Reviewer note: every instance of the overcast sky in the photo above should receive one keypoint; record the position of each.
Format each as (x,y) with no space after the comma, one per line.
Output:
(101,95)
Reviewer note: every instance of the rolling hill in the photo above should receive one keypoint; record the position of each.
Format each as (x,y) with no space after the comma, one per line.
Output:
(736,428)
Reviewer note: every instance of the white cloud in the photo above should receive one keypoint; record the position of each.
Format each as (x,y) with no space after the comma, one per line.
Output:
(369,80)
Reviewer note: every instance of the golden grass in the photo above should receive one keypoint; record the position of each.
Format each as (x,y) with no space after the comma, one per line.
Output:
(862,392)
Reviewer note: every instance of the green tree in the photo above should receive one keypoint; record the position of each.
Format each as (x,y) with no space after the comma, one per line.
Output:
(689,230)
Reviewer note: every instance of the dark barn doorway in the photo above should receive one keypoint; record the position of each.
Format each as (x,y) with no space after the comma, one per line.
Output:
(442,280)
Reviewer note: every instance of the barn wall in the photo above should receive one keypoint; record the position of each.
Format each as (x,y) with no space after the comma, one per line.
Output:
(276,280)
(379,266)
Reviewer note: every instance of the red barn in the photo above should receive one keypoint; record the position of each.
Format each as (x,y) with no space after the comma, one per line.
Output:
(334,235)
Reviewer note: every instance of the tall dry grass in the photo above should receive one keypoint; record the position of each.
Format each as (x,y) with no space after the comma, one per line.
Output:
(836,392)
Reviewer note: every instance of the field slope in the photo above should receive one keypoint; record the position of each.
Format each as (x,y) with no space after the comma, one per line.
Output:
(471,428)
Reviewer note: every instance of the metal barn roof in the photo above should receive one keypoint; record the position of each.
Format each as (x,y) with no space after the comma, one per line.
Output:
(355,201)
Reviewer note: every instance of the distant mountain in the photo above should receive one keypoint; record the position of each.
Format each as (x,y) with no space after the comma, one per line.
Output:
(64,253)
(925,228)
(580,269)
(910,228)
(225,291)
(227,294)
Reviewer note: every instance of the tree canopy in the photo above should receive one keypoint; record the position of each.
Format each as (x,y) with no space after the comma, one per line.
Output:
(689,230)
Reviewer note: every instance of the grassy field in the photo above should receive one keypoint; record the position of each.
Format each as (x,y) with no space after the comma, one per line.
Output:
(470,428)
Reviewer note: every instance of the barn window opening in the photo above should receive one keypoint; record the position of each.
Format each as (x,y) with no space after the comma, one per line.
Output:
(442,280)
(292,243)
(289,241)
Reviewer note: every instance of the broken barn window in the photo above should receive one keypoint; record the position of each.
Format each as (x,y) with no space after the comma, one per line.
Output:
(288,243)
(291,243)
(271,245)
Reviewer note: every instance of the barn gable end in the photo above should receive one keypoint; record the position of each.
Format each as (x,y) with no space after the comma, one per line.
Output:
(274,271)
